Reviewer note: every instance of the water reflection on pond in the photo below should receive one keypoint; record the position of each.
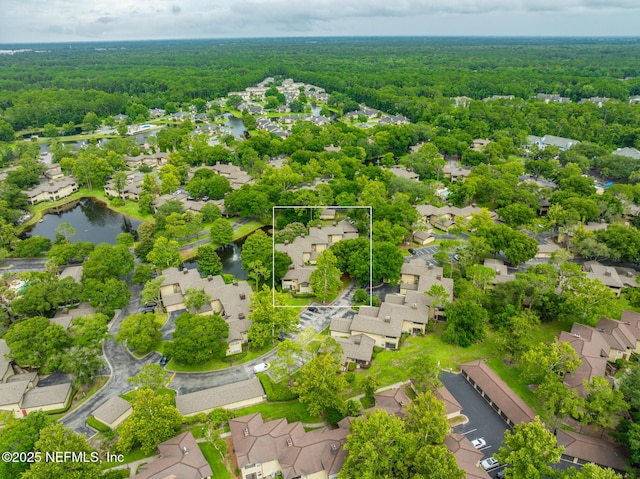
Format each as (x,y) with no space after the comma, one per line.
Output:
(92,220)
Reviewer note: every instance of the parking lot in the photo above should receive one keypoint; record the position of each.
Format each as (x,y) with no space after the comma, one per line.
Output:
(484,422)
(425,253)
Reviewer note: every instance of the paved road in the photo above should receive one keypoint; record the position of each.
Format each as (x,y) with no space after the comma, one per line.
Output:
(122,365)
(22,265)
(237,224)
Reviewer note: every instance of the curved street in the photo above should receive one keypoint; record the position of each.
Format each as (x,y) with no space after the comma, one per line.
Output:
(124,365)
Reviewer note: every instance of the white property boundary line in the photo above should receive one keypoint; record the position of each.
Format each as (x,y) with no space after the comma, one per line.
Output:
(273,248)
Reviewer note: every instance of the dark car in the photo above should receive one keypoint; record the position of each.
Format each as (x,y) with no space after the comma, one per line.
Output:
(148,310)
(313,309)
(500,475)
(164,360)
(411,250)
(150,304)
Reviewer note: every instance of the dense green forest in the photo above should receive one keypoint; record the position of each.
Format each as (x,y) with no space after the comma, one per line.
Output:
(413,76)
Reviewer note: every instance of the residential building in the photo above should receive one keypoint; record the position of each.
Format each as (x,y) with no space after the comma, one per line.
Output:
(20,395)
(304,250)
(179,458)
(237,176)
(6,370)
(231,301)
(502,274)
(266,449)
(609,276)
(131,190)
(580,449)
(386,324)
(497,393)
(154,160)
(402,172)
(550,140)
(628,152)
(466,456)
(444,217)
(461,101)
(65,316)
(418,276)
(478,144)
(53,172)
(230,396)
(552,98)
(356,349)
(596,100)
(52,190)
(394,120)
(423,237)
(113,412)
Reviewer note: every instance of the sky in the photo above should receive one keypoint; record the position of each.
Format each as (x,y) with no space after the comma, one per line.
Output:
(35,21)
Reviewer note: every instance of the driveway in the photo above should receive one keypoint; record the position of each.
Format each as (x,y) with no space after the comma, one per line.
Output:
(22,265)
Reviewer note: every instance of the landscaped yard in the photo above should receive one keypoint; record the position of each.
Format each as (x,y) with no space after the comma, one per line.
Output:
(215,363)
(292,410)
(390,367)
(213,458)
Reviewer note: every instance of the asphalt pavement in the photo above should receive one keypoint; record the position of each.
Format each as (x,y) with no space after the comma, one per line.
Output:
(22,265)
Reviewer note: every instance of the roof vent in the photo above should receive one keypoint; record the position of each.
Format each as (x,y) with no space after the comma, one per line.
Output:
(243,296)
(430,266)
(629,274)
(387,319)
(235,282)
(185,271)
(576,335)
(302,235)
(628,323)
(246,431)
(286,242)
(357,340)
(607,272)
(498,271)
(414,306)
(334,448)
(289,442)
(185,450)
(602,330)
(438,277)
(240,315)
(209,278)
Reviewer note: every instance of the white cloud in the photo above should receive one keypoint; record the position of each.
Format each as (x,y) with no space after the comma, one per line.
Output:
(40,20)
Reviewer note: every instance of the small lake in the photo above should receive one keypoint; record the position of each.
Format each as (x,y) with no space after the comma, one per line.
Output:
(230,258)
(92,220)
(234,125)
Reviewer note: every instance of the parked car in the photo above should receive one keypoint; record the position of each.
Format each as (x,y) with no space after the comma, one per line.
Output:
(150,304)
(500,475)
(260,367)
(313,309)
(164,360)
(479,443)
(412,251)
(148,310)
(489,463)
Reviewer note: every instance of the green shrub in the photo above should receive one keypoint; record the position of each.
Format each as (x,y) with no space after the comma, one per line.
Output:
(276,391)
(333,416)
(234,357)
(97,425)
(221,416)
(195,419)
(366,402)
(228,278)
(360,296)
(117,202)
(351,367)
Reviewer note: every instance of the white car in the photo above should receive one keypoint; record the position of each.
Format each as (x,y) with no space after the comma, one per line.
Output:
(260,367)
(479,443)
(489,463)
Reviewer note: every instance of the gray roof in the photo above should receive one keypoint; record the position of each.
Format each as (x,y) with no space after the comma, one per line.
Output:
(46,395)
(112,410)
(358,347)
(340,325)
(5,363)
(628,152)
(12,392)
(51,186)
(180,458)
(390,326)
(220,396)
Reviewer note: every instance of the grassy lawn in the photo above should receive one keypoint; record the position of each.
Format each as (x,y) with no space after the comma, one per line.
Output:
(131,456)
(292,410)
(215,364)
(390,367)
(301,302)
(214,460)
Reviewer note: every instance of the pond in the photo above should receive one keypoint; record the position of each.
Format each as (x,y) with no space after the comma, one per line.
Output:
(234,126)
(92,220)
(230,258)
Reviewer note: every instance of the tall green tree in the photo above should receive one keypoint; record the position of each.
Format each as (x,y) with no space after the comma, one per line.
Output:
(208,260)
(83,363)
(197,338)
(286,360)
(319,385)
(549,361)
(153,420)
(164,254)
(426,417)
(55,437)
(20,435)
(465,323)
(151,376)
(221,232)
(37,343)
(325,278)
(530,449)
(139,332)
(268,318)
